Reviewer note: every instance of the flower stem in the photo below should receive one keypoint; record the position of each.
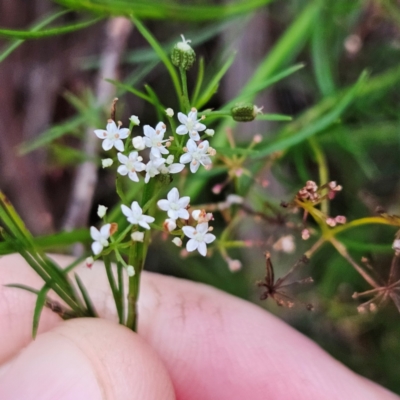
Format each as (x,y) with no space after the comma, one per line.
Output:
(185,94)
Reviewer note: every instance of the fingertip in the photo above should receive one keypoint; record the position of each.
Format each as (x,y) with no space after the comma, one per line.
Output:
(86,359)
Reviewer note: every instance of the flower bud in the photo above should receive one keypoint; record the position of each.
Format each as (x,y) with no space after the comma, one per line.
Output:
(89,262)
(183,56)
(101,211)
(169,112)
(135,120)
(169,224)
(138,143)
(177,242)
(210,132)
(130,270)
(244,112)
(137,236)
(107,162)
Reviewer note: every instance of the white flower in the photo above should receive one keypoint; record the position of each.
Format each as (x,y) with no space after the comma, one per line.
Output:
(199,238)
(135,120)
(154,139)
(100,238)
(107,162)
(135,215)
(169,112)
(137,236)
(177,242)
(196,155)
(210,132)
(112,136)
(175,206)
(101,211)
(138,143)
(190,124)
(153,167)
(130,270)
(130,165)
(169,224)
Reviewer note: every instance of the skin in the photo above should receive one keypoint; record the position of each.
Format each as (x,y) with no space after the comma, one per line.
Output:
(194,343)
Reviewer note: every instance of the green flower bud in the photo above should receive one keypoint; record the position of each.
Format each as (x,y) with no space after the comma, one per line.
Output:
(183,56)
(244,112)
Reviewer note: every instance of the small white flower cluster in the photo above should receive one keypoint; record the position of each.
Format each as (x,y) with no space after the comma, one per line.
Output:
(176,208)
(194,153)
(160,162)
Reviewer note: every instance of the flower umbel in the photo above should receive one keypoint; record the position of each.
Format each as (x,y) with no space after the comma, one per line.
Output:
(135,215)
(100,238)
(199,238)
(112,136)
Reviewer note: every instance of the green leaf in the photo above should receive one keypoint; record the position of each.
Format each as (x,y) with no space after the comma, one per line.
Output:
(131,89)
(52,134)
(199,81)
(317,126)
(212,86)
(19,34)
(161,54)
(86,298)
(13,46)
(274,117)
(40,303)
(160,9)
(226,151)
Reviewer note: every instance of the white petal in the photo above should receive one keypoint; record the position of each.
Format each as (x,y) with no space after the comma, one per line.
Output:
(209,237)
(199,127)
(194,135)
(192,245)
(105,231)
(175,168)
(133,155)
(188,231)
(136,208)
(119,145)
(97,248)
(156,152)
(144,224)
(95,233)
(191,145)
(126,210)
(123,159)
(182,118)
(202,228)
(192,115)
(194,167)
(111,126)
(148,131)
(100,133)
(124,133)
(133,176)
(107,144)
(202,249)
(184,201)
(122,170)
(184,214)
(173,214)
(161,127)
(173,195)
(139,166)
(185,158)
(163,204)
(182,130)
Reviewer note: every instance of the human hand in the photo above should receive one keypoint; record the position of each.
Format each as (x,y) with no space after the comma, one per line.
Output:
(194,343)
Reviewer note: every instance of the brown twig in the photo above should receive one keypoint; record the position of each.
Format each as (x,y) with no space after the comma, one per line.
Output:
(118,30)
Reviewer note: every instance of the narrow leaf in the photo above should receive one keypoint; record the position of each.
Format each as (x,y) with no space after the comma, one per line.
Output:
(40,303)
(89,305)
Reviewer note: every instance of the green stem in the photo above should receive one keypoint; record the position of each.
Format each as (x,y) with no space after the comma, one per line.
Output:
(185,94)
(114,289)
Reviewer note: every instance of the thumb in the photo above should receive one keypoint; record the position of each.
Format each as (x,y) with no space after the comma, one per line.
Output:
(86,359)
